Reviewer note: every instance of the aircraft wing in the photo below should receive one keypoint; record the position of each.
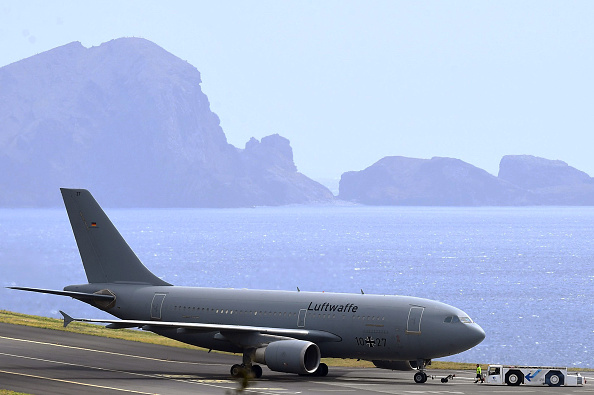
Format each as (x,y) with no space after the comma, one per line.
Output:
(185,327)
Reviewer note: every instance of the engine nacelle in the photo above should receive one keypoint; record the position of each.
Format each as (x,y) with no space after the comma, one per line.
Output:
(395,365)
(290,356)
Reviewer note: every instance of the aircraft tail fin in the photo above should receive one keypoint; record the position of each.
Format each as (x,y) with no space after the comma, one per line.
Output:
(106,256)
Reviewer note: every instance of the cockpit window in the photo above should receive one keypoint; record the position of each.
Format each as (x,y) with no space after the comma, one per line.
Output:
(452,319)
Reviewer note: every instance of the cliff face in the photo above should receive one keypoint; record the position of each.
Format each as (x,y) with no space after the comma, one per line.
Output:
(522,180)
(129,120)
(426,182)
(550,182)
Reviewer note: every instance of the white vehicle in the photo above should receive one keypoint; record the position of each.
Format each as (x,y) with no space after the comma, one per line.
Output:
(532,375)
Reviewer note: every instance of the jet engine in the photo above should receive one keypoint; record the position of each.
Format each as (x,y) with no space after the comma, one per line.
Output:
(290,356)
(395,365)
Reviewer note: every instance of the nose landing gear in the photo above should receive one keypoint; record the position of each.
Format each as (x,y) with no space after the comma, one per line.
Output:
(421,377)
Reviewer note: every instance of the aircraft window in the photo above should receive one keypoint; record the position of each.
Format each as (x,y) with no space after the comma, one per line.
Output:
(455,319)
(448,319)
(466,320)
(255,313)
(231,312)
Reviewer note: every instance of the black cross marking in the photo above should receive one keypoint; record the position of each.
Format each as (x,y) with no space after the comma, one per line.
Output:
(370,341)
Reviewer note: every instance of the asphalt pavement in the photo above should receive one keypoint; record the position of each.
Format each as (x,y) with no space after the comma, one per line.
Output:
(44,361)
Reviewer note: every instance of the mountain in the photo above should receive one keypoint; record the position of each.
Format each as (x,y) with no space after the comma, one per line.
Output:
(550,182)
(397,180)
(129,120)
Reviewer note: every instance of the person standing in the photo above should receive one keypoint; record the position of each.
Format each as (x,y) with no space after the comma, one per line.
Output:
(479,374)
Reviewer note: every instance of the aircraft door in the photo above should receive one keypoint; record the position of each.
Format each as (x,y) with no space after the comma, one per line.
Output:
(157,306)
(301,319)
(415,315)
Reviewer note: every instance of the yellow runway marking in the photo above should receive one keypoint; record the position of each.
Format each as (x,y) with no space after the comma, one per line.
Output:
(223,384)
(109,352)
(75,382)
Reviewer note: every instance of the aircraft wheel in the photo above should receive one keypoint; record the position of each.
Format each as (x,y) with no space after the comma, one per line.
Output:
(236,370)
(420,377)
(444,380)
(322,370)
(257,371)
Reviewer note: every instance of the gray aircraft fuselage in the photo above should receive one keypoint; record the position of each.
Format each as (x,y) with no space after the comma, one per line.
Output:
(371,327)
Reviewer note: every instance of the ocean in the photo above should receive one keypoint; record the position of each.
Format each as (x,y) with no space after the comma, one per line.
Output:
(526,275)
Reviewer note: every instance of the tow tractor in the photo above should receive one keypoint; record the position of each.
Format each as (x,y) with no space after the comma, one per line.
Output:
(533,375)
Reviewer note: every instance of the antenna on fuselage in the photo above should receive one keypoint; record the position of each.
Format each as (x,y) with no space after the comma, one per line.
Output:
(362,293)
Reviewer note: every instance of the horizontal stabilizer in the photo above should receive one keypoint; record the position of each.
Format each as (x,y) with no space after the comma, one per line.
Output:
(82,296)
(67,318)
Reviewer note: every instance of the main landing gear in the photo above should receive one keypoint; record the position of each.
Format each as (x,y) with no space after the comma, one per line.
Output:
(242,370)
(246,369)
(420,377)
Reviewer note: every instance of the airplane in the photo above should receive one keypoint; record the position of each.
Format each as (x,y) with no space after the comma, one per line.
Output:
(288,331)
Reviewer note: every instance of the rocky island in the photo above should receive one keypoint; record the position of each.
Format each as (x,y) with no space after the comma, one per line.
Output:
(522,180)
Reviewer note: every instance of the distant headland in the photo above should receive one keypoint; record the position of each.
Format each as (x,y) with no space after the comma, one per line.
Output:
(523,180)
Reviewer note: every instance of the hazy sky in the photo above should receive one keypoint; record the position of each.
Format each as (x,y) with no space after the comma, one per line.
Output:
(349,82)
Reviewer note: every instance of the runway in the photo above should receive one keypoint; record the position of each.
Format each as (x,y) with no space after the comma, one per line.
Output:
(43,361)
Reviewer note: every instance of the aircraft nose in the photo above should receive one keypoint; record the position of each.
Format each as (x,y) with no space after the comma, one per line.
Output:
(476,334)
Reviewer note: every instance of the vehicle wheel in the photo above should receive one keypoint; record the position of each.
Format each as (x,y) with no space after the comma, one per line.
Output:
(236,370)
(322,370)
(554,378)
(420,377)
(257,371)
(514,377)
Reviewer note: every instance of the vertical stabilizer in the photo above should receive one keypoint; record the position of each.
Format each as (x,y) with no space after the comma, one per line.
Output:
(106,256)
